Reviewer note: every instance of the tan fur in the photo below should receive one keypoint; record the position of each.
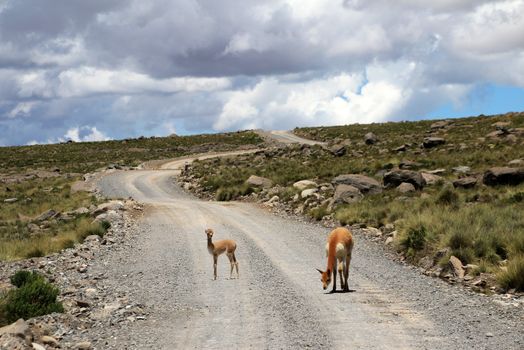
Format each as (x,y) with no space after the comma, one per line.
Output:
(227,246)
(338,249)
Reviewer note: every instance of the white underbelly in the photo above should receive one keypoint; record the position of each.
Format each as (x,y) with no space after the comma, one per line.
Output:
(340,251)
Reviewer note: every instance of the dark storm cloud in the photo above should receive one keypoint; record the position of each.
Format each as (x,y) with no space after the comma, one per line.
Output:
(108,68)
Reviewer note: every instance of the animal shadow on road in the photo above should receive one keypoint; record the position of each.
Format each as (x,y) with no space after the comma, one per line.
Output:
(341,291)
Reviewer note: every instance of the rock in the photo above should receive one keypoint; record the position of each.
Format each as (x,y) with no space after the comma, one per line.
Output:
(10,200)
(309,192)
(396,177)
(430,142)
(19,328)
(430,179)
(462,169)
(501,124)
(465,182)
(48,340)
(37,346)
(347,194)
(372,231)
(439,171)
(259,181)
(82,303)
(516,162)
(503,176)
(85,345)
(273,199)
(440,124)
(496,134)
(408,164)
(389,240)
(426,262)
(81,211)
(110,216)
(47,215)
(406,187)
(303,184)
(338,150)
(370,138)
(365,184)
(112,205)
(402,148)
(456,266)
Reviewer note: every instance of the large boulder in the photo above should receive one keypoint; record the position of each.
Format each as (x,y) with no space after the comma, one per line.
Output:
(456,266)
(259,181)
(338,150)
(503,176)
(465,182)
(111,205)
(48,214)
(303,184)
(363,183)
(398,176)
(370,138)
(347,194)
(440,124)
(406,187)
(430,178)
(430,142)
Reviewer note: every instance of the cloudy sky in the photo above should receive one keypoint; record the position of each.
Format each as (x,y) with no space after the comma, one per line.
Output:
(109,69)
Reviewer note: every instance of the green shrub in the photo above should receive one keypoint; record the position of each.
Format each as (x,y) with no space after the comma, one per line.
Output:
(22,277)
(448,196)
(465,254)
(225,194)
(516,197)
(33,297)
(105,224)
(319,212)
(95,228)
(460,239)
(415,238)
(35,253)
(513,277)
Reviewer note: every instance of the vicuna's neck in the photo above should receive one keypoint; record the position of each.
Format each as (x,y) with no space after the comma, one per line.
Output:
(331,255)
(210,244)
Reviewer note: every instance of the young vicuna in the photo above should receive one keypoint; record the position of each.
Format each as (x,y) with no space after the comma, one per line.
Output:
(216,248)
(338,248)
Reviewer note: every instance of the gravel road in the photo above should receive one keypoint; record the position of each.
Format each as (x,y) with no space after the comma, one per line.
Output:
(278,302)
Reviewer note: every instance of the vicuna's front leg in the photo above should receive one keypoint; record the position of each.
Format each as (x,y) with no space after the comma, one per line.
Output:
(334,277)
(232,264)
(215,258)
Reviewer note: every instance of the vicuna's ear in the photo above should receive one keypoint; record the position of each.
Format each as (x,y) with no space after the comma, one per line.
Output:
(320,271)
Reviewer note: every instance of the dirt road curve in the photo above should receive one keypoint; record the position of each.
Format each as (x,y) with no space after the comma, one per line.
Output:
(278,301)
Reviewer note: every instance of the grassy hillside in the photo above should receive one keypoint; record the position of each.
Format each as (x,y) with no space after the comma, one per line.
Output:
(84,157)
(35,179)
(482,225)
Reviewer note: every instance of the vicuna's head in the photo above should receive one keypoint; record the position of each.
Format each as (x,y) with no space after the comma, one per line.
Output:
(325,278)
(209,233)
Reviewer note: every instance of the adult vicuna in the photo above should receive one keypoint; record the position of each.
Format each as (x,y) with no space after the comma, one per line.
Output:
(227,246)
(338,249)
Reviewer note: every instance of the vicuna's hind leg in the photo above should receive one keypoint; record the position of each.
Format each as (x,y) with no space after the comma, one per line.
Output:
(236,264)
(340,270)
(346,271)
(231,257)
(215,258)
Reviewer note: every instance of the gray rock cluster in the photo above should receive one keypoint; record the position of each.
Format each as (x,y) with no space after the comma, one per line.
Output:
(87,303)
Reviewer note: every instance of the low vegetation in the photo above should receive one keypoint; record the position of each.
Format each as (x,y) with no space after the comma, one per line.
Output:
(482,225)
(85,157)
(36,179)
(33,296)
